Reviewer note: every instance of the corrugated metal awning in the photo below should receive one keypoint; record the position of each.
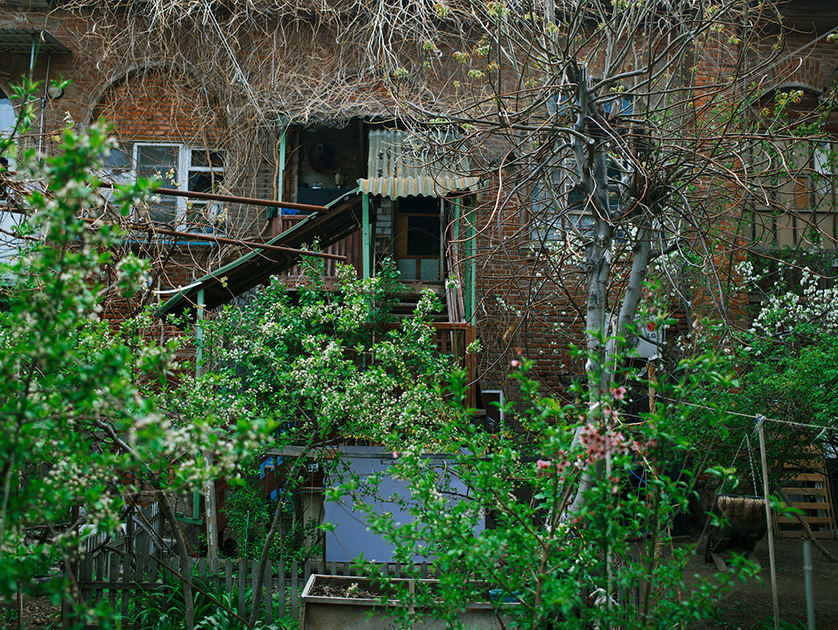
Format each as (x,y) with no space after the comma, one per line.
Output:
(394,187)
(20,41)
(401,164)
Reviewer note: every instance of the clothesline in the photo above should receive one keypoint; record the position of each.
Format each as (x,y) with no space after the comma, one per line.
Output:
(765,418)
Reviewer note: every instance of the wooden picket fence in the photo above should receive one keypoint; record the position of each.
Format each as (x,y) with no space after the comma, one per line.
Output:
(123,578)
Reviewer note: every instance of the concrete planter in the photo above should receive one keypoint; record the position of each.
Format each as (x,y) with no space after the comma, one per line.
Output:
(352,613)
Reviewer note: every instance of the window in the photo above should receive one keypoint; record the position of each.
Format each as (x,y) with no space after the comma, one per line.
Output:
(7,115)
(493,401)
(794,168)
(795,195)
(8,221)
(559,202)
(176,166)
(418,238)
(558,206)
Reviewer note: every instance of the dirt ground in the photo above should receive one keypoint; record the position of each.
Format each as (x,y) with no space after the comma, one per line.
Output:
(750,605)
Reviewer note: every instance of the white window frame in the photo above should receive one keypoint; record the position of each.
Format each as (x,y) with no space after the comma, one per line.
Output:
(184,166)
(499,410)
(8,221)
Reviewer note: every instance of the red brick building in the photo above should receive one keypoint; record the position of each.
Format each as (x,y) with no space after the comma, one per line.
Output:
(281,106)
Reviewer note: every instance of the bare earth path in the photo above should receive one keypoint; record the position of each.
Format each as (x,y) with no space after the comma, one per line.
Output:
(750,605)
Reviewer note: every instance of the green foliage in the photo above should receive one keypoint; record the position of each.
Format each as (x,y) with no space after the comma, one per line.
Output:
(787,360)
(325,364)
(249,514)
(66,379)
(164,609)
(83,404)
(541,549)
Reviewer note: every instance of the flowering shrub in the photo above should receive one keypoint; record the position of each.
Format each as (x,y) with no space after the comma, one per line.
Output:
(82,405)
(787,361)
(334,363)
(561,566)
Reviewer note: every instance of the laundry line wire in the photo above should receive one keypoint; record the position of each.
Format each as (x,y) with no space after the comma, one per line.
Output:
(754,417)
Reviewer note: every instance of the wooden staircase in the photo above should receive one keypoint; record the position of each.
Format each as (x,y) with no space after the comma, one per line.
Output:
(806,483)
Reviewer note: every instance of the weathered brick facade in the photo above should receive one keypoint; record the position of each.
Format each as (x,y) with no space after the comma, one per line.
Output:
(527,299)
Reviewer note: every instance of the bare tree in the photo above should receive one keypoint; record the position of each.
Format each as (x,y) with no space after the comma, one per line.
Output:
(619,126)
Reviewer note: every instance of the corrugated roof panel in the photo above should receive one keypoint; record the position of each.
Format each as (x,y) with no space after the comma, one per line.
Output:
(395,187)
(20,41)
(400,164)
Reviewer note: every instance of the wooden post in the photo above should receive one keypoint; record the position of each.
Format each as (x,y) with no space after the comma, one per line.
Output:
(280,184)
(768,516)
(209,489)
(807,578)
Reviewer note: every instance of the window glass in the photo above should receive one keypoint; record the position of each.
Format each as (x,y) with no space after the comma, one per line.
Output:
(7,115)
(8,221)
(206,173)
(184,168)
(160,162)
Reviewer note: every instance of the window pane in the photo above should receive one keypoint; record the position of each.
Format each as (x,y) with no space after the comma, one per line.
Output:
(200,158)
(203,181)
(160,161)
(162,213)
(7,115)
(117,160)
(198,218)
(423,235)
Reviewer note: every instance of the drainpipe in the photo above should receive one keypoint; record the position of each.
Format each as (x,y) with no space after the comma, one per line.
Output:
(366,237)
(283,140)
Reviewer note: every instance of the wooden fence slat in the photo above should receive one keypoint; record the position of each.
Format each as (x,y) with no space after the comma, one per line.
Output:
(154,561)
(306,571)
(255,604)
(228,575)
(99,577)
(214,578)
(127,578)
(295,590)
(85,578)
(242,571)
(113,576)
(142,548)
(269,583)
(281,573)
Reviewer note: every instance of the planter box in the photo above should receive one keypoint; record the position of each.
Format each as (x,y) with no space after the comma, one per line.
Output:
(353,613)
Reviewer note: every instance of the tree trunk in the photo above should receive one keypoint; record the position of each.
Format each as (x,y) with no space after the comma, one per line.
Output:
(183,556)
(276,528)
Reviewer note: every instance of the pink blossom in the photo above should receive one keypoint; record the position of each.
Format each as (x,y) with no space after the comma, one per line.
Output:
(515,363)
(541,464)
(618,393)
